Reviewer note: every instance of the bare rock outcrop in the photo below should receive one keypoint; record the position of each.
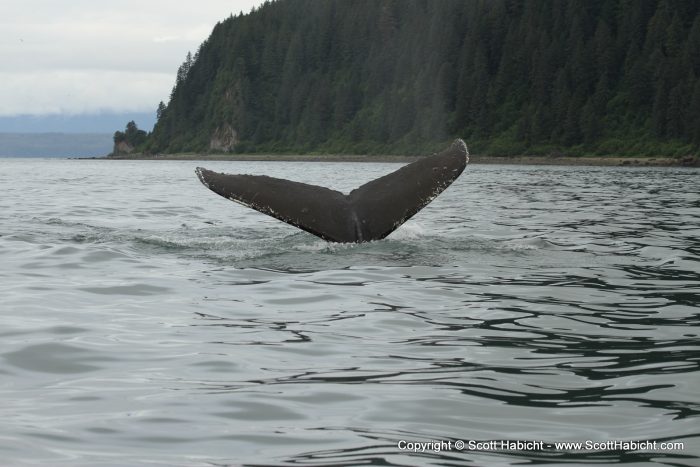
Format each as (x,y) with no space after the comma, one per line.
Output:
(224,138)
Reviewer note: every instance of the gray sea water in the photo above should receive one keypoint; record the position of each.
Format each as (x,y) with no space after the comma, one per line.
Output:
(146,321)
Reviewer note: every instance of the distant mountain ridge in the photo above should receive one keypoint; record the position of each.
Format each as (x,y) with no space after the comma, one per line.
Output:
(74,123)
(389,76)
(55,144)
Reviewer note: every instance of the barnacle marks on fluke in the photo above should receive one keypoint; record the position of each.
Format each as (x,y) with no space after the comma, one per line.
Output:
(370,212)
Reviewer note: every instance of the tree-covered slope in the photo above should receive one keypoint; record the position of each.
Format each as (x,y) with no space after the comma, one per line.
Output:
(402,76)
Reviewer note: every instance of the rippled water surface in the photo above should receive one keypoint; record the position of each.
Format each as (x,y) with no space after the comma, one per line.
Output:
(147,321)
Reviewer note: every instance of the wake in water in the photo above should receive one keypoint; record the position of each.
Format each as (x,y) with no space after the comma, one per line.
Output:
(278,247)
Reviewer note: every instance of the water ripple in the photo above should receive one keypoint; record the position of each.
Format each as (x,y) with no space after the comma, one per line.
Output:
(154,324)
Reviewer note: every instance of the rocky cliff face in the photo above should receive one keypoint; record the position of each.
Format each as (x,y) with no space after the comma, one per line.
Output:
(223,139)
(122,148)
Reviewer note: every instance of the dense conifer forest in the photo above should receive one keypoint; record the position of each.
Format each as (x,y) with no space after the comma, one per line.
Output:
(405,76)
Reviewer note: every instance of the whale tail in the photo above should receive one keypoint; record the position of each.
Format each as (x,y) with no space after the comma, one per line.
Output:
(370,212)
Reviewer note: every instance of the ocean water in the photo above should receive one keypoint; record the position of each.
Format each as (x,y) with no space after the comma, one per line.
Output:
(146,321)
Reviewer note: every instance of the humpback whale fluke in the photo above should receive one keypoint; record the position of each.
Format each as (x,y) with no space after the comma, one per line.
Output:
(370,212)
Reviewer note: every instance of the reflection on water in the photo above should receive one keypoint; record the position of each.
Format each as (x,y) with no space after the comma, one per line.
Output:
(147,321)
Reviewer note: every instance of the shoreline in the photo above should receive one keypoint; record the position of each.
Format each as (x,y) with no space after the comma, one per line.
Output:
(600,161)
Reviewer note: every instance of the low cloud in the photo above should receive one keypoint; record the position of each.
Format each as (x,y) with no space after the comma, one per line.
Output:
(86,57)
(81,91)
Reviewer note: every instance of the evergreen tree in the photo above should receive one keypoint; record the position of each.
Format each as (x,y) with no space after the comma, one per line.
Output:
(160,110)
(132,136)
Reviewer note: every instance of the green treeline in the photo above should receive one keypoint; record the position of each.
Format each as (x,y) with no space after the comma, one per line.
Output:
(131,136)
(405,76)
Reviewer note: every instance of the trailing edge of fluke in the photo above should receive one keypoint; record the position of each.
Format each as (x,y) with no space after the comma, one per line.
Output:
(370,212)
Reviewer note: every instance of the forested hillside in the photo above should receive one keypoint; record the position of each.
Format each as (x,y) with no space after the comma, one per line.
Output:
(404,76)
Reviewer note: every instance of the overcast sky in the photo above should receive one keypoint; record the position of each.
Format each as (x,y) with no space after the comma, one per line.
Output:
(92,56)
